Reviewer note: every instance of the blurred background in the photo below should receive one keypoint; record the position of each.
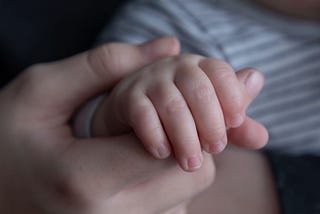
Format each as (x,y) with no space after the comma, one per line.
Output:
(44,30)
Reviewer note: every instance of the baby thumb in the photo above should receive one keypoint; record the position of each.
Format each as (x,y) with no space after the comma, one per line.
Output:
(251,134)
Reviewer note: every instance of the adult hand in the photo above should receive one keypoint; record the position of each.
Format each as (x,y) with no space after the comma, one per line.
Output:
(44,169)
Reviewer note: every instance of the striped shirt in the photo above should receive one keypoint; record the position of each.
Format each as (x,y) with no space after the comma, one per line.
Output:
(286,50)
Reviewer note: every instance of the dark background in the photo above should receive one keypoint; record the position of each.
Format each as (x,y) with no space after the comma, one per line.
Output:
(34,31)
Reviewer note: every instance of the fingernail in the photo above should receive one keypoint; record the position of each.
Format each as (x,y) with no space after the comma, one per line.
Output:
(194,162)
(163,151)
(235,121)
(217,147)
(254,83)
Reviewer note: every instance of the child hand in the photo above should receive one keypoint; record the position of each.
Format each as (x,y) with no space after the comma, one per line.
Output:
(184,103)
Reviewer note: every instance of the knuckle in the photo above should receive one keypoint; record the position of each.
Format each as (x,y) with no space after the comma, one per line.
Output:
(203,93)
(220,68)
(188,74)
(104,61)
(139,112)
(223,74)
(170,102)
(174,105)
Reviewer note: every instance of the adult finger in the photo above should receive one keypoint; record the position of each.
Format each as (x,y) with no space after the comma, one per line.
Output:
(169,189)
(101,167)
(250,134)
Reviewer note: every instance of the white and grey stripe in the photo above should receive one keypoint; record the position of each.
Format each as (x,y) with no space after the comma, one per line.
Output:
(286,50)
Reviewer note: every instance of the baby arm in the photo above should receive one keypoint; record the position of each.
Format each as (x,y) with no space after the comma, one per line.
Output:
(184,103)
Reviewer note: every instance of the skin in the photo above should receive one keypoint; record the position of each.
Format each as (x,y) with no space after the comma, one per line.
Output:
(45,169)
(186,103)
(305,9)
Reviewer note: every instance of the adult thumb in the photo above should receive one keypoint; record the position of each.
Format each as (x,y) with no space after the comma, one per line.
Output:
(72,81)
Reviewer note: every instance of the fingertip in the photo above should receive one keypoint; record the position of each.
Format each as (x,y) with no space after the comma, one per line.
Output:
(251,135)
(192,163)
(162,152)
(263,139)
(259,138)
(174,44)
(216,147)
(235,120)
